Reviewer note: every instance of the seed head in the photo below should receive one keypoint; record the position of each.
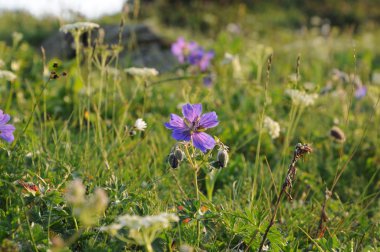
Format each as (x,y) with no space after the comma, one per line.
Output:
(337,134)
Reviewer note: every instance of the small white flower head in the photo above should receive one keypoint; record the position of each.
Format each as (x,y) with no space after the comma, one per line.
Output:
(79,27)
(235,62)
(76,191)
(272,127)
(8,75)
(15,66)
(293,78)
(228,58)
(301,97)
(141,72)
(2,63)
(140,124)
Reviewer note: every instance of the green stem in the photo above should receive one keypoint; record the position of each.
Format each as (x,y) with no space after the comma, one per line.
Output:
(148,247)
(195,168)
(29,227)
(33,110)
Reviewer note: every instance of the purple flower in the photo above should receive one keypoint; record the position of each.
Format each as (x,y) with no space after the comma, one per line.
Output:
(6,130)
(193,125)
(182,49)
(207,80)
(201,58)
(360,92)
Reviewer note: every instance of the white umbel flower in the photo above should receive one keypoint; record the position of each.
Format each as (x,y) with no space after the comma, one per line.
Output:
(301,97)
(140,124)
(79,26)
(272,127)
(160,221)
(142,229)
(8,75)
(141,72)
(112,229)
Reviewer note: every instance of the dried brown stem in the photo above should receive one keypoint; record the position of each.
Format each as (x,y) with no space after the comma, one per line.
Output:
(300,151)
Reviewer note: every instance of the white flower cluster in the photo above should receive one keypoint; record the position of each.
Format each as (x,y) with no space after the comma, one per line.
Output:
(8,75)
(79,26)
(272,127)
(142,227)
(140,124)
(162,220)
(141,72)
(301,97)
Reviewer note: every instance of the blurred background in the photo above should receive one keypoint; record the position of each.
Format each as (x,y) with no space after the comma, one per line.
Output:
(38,18)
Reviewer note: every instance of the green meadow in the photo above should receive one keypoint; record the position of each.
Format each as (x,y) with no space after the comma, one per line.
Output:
(293,163)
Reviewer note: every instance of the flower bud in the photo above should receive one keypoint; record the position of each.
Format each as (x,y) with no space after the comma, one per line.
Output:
(222,158)
(173,161)
(337,134)
(179,154)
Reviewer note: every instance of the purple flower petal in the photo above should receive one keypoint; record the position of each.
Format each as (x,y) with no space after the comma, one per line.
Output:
(192,112)
(203,141)
(209,120)
(176,122)
(7,128)
(4,118)
(196,56)
(204,63)
(178,49)
(207,80)
(192,46)
(182,49)
(360,92)
(181,135)
(7,137)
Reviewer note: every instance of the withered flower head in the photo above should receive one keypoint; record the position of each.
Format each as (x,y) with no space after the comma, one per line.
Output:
(337,134)
(302,149)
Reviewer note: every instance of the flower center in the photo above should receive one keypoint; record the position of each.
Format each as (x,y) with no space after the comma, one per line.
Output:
(194,125)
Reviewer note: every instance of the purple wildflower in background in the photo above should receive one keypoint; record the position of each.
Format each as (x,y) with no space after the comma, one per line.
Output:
(201,58)
(182,49)
(6,130)
(360,92)
(207,80)
(193,125)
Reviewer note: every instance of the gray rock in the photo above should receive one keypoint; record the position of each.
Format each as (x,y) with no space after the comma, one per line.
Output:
(142,47)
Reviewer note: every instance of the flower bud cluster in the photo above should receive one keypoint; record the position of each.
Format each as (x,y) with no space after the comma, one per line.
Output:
(175,157)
